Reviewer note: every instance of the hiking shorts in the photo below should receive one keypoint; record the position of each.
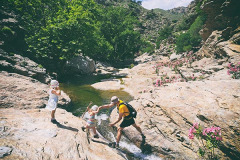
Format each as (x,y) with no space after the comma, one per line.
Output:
(91,124)
(127,122)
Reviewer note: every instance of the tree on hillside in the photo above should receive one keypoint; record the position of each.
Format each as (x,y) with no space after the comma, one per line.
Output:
(58,30)
(118,29)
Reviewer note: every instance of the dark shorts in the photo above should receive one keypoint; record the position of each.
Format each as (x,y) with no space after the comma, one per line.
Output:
(127,122)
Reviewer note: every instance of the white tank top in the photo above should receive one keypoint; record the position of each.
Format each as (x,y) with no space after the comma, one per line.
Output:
(53,96)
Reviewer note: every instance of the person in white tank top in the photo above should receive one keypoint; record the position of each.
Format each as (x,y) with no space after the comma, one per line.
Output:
(54,92)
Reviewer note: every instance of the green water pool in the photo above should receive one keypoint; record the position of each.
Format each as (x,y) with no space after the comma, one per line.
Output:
(81,92)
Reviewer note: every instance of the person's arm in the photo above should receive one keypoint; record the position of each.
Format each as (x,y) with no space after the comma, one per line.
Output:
(88,109)
(119,119)
(57,92)
(107,106)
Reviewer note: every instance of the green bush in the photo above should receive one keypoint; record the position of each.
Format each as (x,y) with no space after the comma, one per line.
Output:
(182,40)
(164,33)
(118,30)
(151,14)
(7,31)
(58,30)
(158,44)
(147,47)
(187,48)
(182,25)
(6,34)
(186,41)
(131,66)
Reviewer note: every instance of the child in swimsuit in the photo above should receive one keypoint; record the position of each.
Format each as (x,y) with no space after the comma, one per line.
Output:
(92,122)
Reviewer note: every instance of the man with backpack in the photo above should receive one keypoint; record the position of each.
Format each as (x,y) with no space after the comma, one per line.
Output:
(125,111)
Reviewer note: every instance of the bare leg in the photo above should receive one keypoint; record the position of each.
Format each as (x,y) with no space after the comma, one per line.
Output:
(137,127)
(87,129)
(87,126)
(94,130)
(53,114)
(119,134)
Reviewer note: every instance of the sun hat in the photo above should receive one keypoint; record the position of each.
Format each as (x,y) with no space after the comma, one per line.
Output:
(94,107)
(54,83)
(114,99)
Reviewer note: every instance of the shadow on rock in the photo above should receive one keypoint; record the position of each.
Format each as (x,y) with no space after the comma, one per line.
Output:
(100,141)
(66,127)
(146,148)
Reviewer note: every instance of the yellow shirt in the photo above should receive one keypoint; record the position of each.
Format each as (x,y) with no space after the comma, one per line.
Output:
(123,109)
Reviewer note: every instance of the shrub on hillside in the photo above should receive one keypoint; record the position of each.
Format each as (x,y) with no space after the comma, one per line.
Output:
(147,47)
(182,41)
(186,41)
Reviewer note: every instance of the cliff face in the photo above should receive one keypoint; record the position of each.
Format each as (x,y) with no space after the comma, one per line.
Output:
(221,14)
(11,33)
(178,10)
(221,33)
(151,21)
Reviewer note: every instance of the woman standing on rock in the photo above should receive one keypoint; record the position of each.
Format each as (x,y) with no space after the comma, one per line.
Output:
(54,92)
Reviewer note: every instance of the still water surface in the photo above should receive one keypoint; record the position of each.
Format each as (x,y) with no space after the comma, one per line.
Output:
(81,92)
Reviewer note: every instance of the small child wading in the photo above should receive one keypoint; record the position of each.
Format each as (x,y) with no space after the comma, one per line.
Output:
(92,122)
(54,92)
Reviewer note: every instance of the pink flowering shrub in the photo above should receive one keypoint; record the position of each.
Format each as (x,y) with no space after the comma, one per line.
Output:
(192,78)
(166,79)
(234,70)
(209,137)
(187,60)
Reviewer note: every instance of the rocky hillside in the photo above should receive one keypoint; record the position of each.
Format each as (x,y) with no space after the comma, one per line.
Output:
(151,21)
(172,93)
(16,63)
(174,14)
(221,31)
(221,15)
(166,112)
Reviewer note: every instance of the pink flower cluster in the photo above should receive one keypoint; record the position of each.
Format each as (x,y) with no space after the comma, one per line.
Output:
(210,139)
(193,130)
(189,58)
(213,132)
(193,78)
(165,79)
(234,70)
